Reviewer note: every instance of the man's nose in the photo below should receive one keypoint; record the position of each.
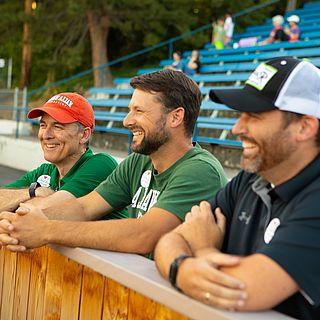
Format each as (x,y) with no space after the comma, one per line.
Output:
(128,121)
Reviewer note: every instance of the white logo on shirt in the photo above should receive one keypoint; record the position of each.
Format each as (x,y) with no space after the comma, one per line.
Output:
(44,181)
(271,230)
(146,178)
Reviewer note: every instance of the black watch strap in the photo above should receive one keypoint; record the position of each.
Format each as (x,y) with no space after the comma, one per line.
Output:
(174,267)
(32,189)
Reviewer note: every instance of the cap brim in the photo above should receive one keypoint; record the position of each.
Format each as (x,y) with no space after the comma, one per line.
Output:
(53,112)
(242,100)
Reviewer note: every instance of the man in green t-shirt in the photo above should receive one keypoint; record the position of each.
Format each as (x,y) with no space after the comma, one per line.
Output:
(161,181)
(66,124)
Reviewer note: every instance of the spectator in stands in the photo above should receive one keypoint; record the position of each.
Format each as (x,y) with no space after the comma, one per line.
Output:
(294,31)
(164,177)
(177,63)
(268,214)
(277,34)
(66,124)
(228,28)
(218,34)
(193,64)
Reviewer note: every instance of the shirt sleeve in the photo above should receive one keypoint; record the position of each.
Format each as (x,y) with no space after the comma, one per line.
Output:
(90,175)
(27,178)
(190,184)
(115,189)
(296,245)
(226,198)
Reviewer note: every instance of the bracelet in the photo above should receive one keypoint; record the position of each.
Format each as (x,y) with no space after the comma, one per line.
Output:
(174,267)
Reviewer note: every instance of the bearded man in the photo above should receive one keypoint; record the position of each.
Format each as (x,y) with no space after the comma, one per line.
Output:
(164,177)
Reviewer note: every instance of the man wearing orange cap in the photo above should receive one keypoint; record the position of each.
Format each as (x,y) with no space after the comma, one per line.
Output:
(66,124)
(161,180)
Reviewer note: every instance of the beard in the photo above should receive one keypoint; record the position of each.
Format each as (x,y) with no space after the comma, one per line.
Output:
(153,141)
(273,150)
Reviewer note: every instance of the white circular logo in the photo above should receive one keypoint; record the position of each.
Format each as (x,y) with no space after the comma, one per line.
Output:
(271,229)
(145,179)
(44,181)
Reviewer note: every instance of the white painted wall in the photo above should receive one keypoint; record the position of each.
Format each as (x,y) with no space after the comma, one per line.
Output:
(25,153)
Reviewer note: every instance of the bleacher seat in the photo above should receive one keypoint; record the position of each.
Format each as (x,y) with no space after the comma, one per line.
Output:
(220,68)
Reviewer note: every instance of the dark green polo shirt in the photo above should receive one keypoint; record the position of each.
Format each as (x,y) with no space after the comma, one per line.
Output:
(84,176)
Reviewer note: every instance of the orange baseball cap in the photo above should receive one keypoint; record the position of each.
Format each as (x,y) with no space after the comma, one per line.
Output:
(67,107)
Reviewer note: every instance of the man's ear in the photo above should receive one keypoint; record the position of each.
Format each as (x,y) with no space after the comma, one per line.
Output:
(176,117)
(308,128)
(85,135)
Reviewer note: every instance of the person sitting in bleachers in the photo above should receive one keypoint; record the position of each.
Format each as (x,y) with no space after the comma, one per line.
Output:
(177,63)
(193,64)
(228,27)
(294,31)
(277,34)
(218,34)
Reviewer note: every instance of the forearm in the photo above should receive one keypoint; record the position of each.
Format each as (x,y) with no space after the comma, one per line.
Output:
(11,198)
(67,210)
(267,284)
(45,202)
(89,207)
(168,248)
(127,235)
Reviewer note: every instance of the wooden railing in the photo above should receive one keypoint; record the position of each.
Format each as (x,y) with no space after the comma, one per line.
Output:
(64,283)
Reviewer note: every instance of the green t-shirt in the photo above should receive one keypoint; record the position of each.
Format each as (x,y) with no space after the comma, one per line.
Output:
(197,176)
(85,175)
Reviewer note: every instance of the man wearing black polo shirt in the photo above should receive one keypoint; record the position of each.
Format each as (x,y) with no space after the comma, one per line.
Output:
(261,248)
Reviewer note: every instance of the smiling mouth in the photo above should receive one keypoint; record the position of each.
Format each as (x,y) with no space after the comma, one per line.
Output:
(248,145)
(137,136)
(50,146)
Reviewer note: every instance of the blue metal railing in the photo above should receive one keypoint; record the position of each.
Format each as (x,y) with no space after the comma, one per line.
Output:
(168,43)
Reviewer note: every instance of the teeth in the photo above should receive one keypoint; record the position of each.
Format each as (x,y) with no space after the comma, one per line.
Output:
(248,145)
(51,145)
(137,133)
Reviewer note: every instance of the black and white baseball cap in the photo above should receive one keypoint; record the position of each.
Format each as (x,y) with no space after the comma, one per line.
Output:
(284,83)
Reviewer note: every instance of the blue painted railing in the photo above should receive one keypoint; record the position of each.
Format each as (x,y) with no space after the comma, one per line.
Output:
(168,42)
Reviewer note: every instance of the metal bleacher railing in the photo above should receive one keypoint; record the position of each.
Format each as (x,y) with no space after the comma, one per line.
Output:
(228,67)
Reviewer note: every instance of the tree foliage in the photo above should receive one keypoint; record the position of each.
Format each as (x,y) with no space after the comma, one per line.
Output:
(61,43)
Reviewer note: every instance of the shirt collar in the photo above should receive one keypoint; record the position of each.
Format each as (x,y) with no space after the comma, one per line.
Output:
(75,167)
(287,190)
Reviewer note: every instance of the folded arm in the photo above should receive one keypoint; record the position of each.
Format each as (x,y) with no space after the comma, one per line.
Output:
(255,282)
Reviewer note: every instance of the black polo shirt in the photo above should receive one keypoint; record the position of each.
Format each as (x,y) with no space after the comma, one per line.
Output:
(284,224)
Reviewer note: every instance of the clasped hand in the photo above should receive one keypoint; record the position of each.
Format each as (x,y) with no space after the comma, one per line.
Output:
(23,229)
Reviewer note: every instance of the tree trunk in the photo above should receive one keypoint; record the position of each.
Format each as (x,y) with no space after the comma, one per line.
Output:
(98,23)
(26,47)
(291,5)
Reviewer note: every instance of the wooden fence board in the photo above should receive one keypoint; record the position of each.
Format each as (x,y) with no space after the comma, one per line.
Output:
(91,295)
(53,288)
(116,298)
(20,307)
(9,276)
(71,290)
(141,307)
(37,283)
(164,313)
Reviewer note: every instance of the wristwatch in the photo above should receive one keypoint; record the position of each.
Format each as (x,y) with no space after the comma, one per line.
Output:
(32,189)
(174,267)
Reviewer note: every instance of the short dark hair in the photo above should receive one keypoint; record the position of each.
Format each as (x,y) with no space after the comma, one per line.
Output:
(81,127)
(290,117)
(174,89)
